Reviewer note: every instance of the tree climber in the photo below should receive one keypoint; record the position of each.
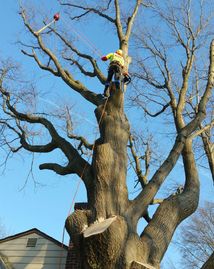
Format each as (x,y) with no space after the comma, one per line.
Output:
(116,69)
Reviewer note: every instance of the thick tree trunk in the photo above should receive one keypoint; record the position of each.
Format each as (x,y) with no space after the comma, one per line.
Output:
(119,245)
(105,234)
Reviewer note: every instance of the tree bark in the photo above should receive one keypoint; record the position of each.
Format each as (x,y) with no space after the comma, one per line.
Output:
(119,245)
(209,264)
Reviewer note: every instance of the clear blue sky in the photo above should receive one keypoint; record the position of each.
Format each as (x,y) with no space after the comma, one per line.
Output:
(44,207)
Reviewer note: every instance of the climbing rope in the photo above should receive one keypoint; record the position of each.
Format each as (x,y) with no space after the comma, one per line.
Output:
(89,43)
(78,185)
(79,182)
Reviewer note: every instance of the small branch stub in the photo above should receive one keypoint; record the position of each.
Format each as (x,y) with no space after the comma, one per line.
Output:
(140,265)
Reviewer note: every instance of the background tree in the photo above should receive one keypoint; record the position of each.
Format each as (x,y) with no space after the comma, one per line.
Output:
(196,237)
(184,29)
(105,177)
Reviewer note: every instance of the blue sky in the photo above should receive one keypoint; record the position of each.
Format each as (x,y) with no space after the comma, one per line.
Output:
(46,207)
(43,207)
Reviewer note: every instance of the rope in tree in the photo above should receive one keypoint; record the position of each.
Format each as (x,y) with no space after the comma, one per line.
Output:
(79,181)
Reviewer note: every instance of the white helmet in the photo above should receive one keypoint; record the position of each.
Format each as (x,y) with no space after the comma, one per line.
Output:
(120,52)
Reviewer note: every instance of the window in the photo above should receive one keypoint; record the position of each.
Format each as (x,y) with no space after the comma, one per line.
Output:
(31,242)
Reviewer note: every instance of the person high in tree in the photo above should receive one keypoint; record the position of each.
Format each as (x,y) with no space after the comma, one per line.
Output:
(115,68)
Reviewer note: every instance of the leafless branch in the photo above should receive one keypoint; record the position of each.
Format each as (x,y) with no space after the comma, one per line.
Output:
(88,10)
(159,112)
(141,177)
(70,134)
(118,21)
(132,18)
(75,162)
(43,67)
(153,186)
(64,74)
(93,62)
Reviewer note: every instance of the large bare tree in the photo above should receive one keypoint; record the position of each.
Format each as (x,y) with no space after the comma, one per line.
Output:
(105,234)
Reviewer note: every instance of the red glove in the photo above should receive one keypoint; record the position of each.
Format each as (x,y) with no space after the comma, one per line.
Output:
(104,58)
(125,73)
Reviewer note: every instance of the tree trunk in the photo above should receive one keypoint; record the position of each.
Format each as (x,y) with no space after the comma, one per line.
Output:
(105,234)
(209,264)
(118,245)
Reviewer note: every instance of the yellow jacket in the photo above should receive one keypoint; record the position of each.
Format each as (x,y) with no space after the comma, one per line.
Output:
(115,57)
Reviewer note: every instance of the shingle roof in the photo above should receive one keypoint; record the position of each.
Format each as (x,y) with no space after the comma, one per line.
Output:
(31,231)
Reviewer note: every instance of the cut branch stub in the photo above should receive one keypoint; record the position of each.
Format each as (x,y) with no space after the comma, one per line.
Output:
(102,250)
(76,223)
(139,265)
(99,227)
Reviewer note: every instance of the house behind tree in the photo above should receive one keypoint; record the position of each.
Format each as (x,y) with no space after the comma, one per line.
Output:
(32,249)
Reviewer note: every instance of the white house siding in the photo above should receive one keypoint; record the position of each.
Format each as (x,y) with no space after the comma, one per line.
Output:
(45,255)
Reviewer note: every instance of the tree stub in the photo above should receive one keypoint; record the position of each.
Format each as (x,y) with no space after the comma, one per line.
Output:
(140,265)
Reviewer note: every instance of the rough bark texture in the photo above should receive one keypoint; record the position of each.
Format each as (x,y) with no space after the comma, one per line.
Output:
(119,245)
(136,265)
(209,264)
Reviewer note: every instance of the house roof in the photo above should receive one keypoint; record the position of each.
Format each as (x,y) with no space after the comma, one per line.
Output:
(31,231)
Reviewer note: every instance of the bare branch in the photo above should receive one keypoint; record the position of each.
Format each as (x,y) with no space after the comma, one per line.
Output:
(82,140)
(93,62)
(64,74)
(157,201)
(80,67)
(76,164)
(202,129)
(142,178)
(208,146)
(118,21)
(132,18)
(90,10)
(60,170)
(43,67)
(148,193)
(38,148)
(183,91)
(5,123)
(164,107)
